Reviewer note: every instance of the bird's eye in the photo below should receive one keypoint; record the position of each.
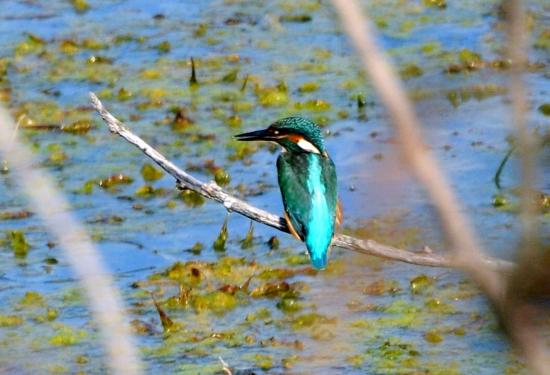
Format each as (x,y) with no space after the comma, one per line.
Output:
(276,132)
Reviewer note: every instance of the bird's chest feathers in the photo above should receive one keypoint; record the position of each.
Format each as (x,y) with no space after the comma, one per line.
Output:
(303,182)
(320,221)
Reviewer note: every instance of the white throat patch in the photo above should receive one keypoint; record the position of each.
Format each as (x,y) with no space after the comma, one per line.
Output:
(307,146)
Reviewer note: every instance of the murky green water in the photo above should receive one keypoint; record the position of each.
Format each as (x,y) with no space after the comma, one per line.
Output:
(363,315)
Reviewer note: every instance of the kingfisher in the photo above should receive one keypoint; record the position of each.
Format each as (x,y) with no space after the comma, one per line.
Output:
(307,179)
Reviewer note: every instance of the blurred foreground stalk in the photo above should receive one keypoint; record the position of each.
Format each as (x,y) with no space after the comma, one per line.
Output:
(53,209)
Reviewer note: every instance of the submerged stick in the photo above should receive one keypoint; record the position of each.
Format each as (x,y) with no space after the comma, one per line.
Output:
(500,168)
(212,191)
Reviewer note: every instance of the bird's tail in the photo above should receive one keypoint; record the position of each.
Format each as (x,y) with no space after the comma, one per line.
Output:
(319,261)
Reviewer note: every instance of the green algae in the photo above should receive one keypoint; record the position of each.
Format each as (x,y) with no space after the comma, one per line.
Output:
(169,72)
(80,5)
(411,71)
(309,87)
(33,44)
(148,191)
(219,243)
(67,336)
(215,301)
(381,287)
(31,300)
(542,41)
(500,201)
(18,243)
(313,105)
(309,320)
(57,158)
(10,320)
(433,337)
(437,306)
(439,4)
(78,127)
(478,92)
(150,173)
(15,215)
(386,229)
(421,284)
(259,360)
(289,305)
(263,314)
(248,241)
(191,198)
(40,115)
(113,181)
(544,109)
(297,259)
(394,354)
(163,47)
(167,323)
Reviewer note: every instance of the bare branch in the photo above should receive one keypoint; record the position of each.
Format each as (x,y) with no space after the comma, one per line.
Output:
(213,191)
(103,298)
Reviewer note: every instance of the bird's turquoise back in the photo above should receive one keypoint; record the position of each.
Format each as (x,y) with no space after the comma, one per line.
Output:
(308,187)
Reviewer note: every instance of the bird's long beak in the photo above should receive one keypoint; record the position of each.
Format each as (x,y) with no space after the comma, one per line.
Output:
(258,135)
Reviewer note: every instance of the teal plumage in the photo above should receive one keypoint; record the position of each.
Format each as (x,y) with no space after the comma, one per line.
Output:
(308,183)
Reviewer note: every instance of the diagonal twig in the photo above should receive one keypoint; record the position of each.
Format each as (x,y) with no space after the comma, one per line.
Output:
(212,191)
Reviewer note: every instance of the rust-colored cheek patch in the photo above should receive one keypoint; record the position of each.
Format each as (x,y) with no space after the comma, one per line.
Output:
(294,137)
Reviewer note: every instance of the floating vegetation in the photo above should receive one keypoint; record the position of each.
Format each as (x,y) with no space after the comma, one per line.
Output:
(18,243)
(80,5)
(219,243)
(478,92)
(500,200)
(78,127)
(258,303)
(272,96)
(385,229)
(313,105)
(167,323)
(193,79)
(180,121)
(33,44)
(248,241)
(148,191)
(124,94)
(10,320)
(163,47)
(299,18)
(273,243)
(66,336)
(381,287)
(115,180)
(231,76)
(411,71)
(191,198)
(439,4)
(15,215)
(421,283)
(544,109)
(150,173)
(309,87)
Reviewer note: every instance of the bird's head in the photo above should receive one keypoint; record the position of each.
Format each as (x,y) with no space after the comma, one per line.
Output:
(294,134)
